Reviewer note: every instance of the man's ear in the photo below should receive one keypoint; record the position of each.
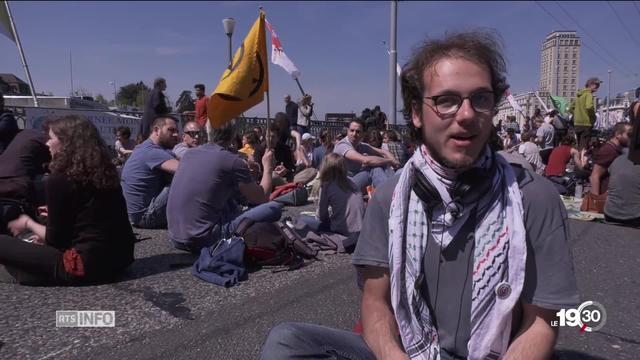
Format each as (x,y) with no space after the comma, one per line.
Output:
(416,115)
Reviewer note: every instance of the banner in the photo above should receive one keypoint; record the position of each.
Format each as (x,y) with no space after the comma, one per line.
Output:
(5,22)
(513,102)
(278,56)
(106,122)
(243,85)
(561,104)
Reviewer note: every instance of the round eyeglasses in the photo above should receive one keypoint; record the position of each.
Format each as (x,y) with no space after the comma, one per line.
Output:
(449,104)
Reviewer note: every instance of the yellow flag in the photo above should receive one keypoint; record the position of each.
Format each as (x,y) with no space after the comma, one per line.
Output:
(242,86)
(5,23)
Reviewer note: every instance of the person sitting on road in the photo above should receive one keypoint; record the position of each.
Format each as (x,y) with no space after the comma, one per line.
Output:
(623,195)
(304,154)
(249,143)
(320,151)
(544,138)
(558,161)
(438,282)
(23,168)
(88,238)
(200,216)
(510,141)
(145,176)
(191,137)
(604,156)
(366,164)
(340,206)
(531,153)
(391,142)
(124,145)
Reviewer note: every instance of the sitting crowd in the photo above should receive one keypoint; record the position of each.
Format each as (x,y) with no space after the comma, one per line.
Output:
(411,215)
(580,171)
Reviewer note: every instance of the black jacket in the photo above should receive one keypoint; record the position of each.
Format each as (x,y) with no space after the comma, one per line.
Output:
(8,129)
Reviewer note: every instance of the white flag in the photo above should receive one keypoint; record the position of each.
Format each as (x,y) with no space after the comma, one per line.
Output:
(513,102)
(278,56)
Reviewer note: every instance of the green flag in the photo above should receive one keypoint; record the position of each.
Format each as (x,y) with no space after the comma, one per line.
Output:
(5,23)
(561,104)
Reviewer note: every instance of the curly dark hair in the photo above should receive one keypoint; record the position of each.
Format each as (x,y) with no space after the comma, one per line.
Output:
(481,46)
(83,154)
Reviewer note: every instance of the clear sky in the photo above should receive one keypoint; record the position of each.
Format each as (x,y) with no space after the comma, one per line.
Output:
(338,46)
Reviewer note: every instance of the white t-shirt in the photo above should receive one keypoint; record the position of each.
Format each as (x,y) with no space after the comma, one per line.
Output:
(531,152)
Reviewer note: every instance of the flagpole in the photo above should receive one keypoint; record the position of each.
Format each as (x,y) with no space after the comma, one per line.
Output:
(269,134)
(24,61)
(393,61)
(299,86)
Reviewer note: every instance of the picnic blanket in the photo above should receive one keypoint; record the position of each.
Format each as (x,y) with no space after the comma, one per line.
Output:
(572,205)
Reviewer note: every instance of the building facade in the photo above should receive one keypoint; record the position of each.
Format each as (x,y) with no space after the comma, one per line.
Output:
(560,64)
(528,102)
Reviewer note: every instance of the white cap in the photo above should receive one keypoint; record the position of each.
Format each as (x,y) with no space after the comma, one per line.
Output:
(307,136)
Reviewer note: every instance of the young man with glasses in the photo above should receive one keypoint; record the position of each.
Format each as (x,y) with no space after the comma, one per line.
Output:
(192,137)
(366,164)
(461,255)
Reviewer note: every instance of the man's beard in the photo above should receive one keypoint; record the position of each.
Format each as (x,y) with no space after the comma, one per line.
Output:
(166,142)
(458,165)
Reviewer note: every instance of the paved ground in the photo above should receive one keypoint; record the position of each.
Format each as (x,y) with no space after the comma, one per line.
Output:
(163,312)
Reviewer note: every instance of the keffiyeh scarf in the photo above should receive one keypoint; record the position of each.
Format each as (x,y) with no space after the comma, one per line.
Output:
(498,259)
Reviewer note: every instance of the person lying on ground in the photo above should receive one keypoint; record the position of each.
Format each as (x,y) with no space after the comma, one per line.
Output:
(88,238)
(146,175)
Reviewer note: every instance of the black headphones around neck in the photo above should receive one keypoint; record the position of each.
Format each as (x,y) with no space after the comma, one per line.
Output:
(475,178)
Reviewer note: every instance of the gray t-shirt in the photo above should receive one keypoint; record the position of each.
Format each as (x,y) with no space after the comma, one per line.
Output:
(549,276)
(207,177)
(347,208)
(623,199)
(345,145)
(546,131)
(179,150)
(142,179)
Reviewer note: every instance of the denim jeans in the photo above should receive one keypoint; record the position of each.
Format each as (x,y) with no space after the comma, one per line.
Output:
(309,341)
(375,176)
(314,224)
(267,212)
(155,217)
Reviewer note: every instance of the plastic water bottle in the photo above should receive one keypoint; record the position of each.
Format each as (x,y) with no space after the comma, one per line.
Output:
(578,194)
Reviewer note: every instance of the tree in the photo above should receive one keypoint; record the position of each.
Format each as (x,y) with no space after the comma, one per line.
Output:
(185,102)
(101,99)
(133,94)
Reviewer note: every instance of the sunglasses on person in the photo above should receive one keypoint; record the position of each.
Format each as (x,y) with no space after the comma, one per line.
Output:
(193,133)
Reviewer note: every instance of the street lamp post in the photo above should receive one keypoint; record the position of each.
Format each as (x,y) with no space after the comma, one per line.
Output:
(608,95)
(229,24)
(115,97)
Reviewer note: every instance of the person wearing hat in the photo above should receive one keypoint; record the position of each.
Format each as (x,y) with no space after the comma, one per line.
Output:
(584,111)
(304,153)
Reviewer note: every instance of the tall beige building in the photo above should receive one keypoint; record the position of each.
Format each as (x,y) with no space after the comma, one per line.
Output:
(560,64)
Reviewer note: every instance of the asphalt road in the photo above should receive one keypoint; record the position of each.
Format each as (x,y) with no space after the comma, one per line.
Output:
(163,312)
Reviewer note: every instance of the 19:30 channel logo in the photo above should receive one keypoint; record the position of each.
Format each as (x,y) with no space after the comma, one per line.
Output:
(589,316)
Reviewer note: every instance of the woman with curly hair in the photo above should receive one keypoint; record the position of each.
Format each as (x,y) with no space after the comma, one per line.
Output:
(88,238)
